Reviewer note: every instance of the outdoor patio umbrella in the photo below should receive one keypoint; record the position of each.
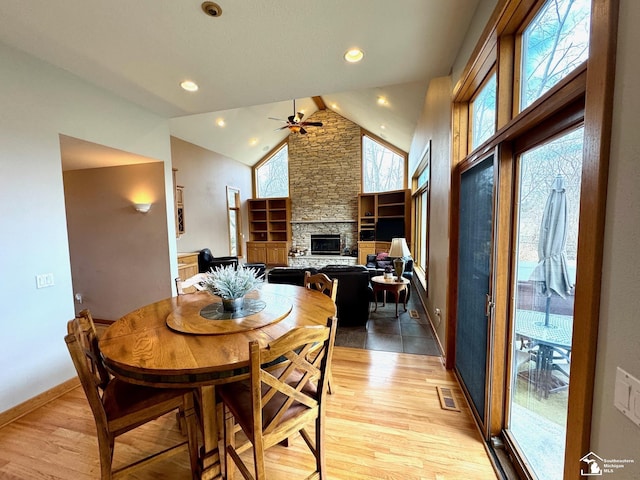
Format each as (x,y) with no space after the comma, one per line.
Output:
(551,271)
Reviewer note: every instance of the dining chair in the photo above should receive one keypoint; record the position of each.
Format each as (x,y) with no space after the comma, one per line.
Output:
(284,393)
(191,284)
(323,283)
(119,407)
(328,286)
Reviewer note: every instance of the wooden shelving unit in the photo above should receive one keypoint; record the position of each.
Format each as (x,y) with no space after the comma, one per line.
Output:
(269,231)
(372,207)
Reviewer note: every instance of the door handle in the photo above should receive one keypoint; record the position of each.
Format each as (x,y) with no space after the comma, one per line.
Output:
(488,306)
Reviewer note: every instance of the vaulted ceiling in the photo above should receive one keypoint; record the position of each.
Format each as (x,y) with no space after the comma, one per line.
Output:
(251,61)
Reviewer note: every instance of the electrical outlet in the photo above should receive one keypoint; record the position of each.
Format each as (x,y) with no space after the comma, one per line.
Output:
(44,280)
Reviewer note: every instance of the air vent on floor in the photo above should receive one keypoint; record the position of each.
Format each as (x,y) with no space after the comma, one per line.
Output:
(414,313)
(447,402)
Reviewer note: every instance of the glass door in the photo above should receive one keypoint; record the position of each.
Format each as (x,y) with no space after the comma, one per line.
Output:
(548,199)
(475,247)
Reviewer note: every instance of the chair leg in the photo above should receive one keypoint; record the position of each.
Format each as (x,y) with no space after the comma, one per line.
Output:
(105,448)
(191,425)
(330,385)
(229,443)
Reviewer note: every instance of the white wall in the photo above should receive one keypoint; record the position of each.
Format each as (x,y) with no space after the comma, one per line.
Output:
(435,125)
(39,102)
(613,435)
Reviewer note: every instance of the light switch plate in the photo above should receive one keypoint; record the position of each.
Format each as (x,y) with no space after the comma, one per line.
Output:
(627,395)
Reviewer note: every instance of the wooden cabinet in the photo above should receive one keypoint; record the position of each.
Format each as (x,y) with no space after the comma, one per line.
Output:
(270,253)
(269,231)
(187,265)
(370,248)
(278,253)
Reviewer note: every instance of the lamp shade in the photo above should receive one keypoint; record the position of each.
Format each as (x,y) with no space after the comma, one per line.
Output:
(399,248)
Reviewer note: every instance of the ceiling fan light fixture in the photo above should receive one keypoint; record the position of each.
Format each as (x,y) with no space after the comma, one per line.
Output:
(353,55)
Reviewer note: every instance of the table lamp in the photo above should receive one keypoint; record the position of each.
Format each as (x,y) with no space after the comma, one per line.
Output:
(399,251)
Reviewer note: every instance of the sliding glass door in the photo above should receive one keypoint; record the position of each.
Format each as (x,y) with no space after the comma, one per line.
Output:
(548,192)
(475,246)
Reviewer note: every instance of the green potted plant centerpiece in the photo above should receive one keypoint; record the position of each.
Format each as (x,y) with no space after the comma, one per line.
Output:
(232,285)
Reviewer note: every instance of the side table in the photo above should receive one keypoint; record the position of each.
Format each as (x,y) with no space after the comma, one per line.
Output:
(393,285)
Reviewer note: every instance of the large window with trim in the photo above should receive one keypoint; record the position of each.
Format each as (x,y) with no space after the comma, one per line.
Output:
(554,63)
(272,174)
(383,168)
(420,188)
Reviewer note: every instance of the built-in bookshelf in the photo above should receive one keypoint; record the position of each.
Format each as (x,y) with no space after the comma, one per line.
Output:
(269,230)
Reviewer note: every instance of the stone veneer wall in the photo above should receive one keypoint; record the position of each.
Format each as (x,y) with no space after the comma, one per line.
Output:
(324,179)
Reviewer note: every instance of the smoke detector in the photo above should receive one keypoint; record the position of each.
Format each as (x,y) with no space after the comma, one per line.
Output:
(212,9)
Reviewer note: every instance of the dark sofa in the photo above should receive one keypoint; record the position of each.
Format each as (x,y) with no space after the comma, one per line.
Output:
(354,289)
(289,275)
(354,293)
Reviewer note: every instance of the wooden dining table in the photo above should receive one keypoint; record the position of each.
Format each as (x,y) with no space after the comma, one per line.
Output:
(189,341)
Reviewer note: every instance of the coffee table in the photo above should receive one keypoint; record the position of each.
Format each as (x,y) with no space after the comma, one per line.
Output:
(393,285)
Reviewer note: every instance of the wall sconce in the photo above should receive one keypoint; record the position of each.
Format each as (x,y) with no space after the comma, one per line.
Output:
(142,207)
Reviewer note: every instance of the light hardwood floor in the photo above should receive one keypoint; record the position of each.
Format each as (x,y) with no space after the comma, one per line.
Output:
(384,422)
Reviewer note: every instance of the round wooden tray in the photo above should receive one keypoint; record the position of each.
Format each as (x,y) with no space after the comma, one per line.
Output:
(187,318)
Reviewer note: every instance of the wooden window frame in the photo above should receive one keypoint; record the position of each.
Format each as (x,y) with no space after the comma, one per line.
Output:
(238,210)
(590,85)
(417,195)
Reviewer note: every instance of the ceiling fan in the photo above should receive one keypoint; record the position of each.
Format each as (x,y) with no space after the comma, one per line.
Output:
(294,122)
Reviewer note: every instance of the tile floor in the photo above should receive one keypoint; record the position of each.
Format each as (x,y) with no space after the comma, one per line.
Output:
(386,333)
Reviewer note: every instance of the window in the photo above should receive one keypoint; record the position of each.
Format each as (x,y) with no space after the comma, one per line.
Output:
(383,169)
(235,223)
(272,174)
(553,45)
(421,216)
(560,143)
(483,113)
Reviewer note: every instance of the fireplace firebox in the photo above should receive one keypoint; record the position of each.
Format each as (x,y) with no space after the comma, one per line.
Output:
(325,244)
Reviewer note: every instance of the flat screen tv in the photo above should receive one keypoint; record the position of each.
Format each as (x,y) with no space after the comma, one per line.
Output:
(388,228)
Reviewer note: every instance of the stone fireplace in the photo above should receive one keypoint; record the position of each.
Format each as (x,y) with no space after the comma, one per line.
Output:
(324,182)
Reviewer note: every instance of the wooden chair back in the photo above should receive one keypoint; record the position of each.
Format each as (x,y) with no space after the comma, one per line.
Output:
(287,385)
(323,283)
(191,284)
(82,342)
(119,407)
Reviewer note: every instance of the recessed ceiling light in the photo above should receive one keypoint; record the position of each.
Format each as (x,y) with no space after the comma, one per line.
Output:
(334,106)
(220,122)
(383,127)
(189,86)
(253,141)
(382,101)
(353,55)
